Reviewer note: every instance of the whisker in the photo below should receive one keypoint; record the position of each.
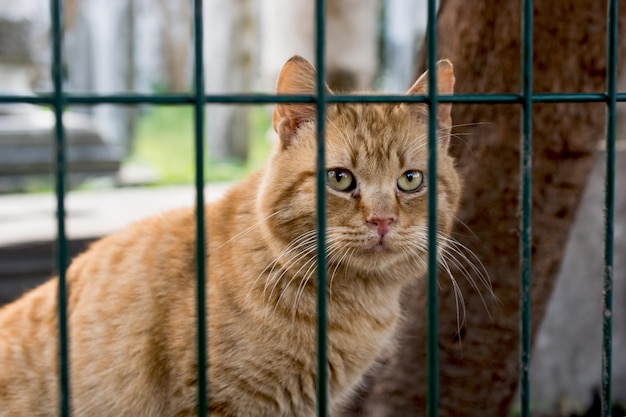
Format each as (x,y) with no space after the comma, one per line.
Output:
(470,257)
(250,228)
(307,239)
(458,296)
(333,246)
(303,283)
(471,124)
(346,254)
(460,221)
(293,278)
(451,252)
(299,249)
(292,261)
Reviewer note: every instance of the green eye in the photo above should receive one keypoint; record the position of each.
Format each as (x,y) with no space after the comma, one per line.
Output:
(411,181)
(340,179)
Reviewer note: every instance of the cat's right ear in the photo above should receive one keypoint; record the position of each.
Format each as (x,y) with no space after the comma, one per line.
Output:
(445,85)
(296,77)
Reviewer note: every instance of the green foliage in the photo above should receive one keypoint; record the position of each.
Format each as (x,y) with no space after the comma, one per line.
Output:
(164,142)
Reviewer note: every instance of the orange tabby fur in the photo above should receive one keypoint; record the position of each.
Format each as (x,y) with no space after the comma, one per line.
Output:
(132,294)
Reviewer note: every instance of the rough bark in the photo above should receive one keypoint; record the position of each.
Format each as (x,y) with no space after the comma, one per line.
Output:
(479,367)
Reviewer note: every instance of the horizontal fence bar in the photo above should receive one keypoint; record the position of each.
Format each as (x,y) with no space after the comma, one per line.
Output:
(480,98)
(254,98)
(172,99)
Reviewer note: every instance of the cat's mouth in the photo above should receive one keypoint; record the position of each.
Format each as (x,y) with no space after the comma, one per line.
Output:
(380,246)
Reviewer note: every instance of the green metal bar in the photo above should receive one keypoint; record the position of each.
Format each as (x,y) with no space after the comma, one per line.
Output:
(203,400)
(609,209)
(508,98)
(432,349)
(60,149)
(182,99)
(239,99)
(526,206)
(322,325)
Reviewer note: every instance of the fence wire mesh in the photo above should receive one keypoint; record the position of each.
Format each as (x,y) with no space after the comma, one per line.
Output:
(58,99)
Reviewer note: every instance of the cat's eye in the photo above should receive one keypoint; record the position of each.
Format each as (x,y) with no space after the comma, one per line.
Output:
(340,179)
(411,181)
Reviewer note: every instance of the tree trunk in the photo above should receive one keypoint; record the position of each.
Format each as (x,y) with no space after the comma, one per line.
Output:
(479,366)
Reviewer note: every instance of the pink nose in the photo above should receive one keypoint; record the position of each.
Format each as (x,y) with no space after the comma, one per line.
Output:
(382,223)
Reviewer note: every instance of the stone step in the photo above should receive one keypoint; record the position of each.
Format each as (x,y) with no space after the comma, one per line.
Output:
(28,149)
(28,226)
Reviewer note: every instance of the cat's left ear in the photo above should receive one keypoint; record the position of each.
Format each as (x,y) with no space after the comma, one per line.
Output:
(297,76)
(445,85)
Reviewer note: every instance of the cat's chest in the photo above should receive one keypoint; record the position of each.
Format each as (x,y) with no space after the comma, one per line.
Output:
(355,343)
(349,356)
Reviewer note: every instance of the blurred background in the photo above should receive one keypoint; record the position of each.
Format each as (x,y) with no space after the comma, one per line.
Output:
(126,162)
(143,46)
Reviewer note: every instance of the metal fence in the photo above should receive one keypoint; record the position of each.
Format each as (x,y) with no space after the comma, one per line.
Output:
(198,99)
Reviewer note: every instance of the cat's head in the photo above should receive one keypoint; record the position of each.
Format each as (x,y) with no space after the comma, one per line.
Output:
(376,178)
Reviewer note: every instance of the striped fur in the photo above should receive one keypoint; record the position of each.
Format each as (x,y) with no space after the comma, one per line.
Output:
(132,294)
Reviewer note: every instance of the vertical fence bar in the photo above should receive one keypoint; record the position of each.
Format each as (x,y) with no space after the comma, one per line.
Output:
(609,208)
(432,350)
(526,205)
(322,354)
(200,230)
(58,103)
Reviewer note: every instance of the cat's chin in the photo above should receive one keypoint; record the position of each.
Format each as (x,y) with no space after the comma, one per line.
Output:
(379,247)
(385,256)
(381,254)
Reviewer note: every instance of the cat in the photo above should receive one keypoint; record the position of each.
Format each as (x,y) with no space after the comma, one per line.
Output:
(132,299)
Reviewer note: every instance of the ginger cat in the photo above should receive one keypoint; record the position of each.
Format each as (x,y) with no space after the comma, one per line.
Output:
(131,295)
